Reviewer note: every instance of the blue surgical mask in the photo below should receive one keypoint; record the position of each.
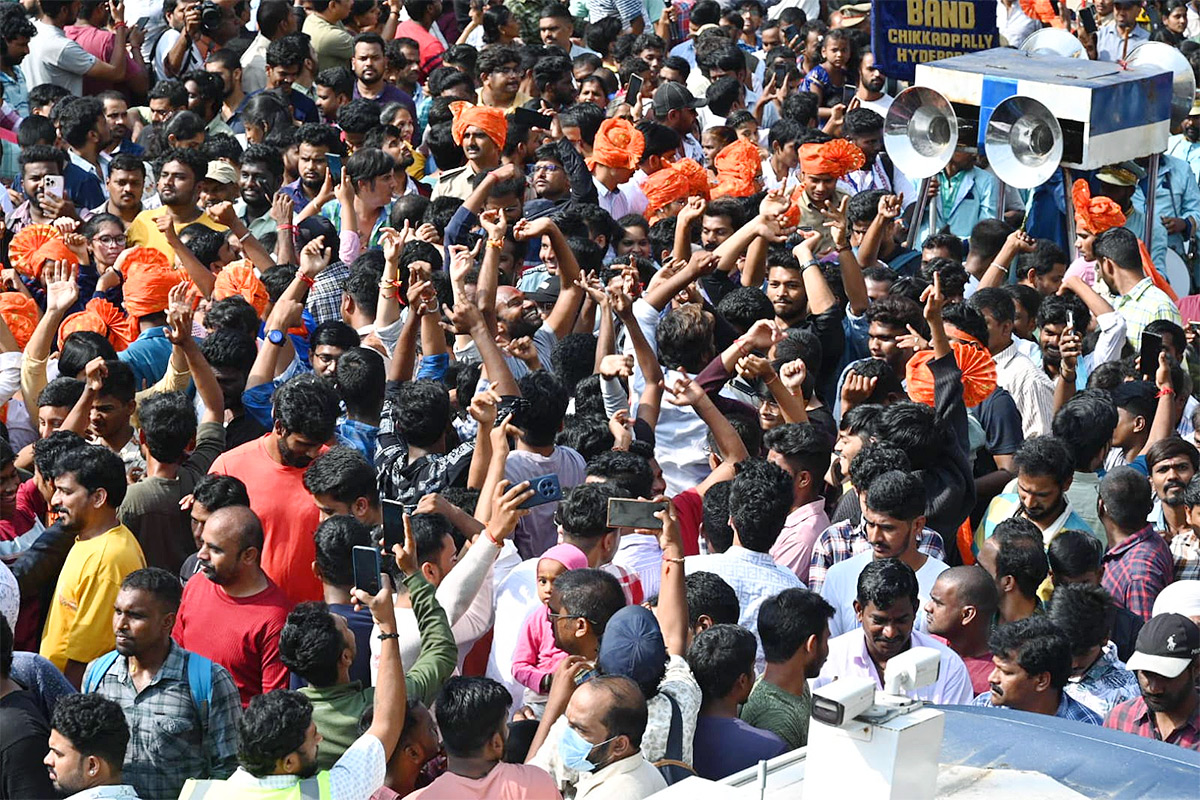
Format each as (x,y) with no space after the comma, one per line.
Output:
(575,750)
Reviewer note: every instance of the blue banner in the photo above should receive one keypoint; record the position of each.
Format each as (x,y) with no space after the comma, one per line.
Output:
(905,33)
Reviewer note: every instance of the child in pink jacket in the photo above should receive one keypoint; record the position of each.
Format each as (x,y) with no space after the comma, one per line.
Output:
(536,656)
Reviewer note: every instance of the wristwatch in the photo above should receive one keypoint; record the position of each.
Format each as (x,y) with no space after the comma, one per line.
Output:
(275,337)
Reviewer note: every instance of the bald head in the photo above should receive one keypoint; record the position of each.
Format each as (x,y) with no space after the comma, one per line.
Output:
(972,586)
(616,703)
(241,522)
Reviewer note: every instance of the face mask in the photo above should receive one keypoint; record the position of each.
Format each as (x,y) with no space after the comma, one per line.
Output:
(575,750)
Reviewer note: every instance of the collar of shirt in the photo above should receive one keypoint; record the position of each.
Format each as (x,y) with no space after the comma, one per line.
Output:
(241,777)
(1106,663)
(1134,294)
(84,164)
(1006,356)
(799,516)
(171,669)
(626,766)
(604,190)
(1127,545)
(1146,717)
(1054,527)
(155,332)
(101,792)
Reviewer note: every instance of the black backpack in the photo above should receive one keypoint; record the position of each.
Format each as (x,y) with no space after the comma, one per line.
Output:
(672,766)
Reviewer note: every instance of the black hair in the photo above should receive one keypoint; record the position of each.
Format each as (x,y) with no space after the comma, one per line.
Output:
(677,64)
(95,468)
(343,474)
(548,400)
(1172,447)
(573,357)
(61,393)
(1045,256)
(947,241)
(626,469)
(787,620)
(873,460)
(1037,645)
(1045,455)
(79,119)
(583,512)
(744,306)
(759,502)
(288,51)
(1024,296)
(272,726)
(1021,554)
(1127,497)
(950,273)
(47,452)
(220,491)
(368,164)
(1084,613)
(421,411)
(967,319)
(361,375)
(900,495)
(801,107)
(42,154)
(722,94)
(335,540)
(233,314)
(896,312)
(884,581)
(429,533)
(719,656)
(685,339)
(204,243)
(590,594)
(191,158)
(1072,553)
(802,446)
(310,644)
(265,155)
(94,725)
(1119,245)
(1086,424)
(717,531)
(334,333)
(220,146)
(168,421)
(307,405)
(913,428)
(987,237)
(709,595)
(470,711)
(158,582)
(586,117)
(341,81)
(268,110)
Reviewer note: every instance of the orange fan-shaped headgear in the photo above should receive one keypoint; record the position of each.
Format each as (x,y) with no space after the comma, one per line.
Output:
(977,368)
(33,245)
(1096,214)
(149,278)
(20,314)
(1042,11)
(738,165)
(102,317)
(697,176)
(836,158)
(663,188)
(618,145)
(238,278)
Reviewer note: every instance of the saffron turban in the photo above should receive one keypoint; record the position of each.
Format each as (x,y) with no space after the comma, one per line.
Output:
(618,145)
(834,158)
(975,363)
(239,279)
(665,187)
(489,120)
(738,164)
(34,245)
(149,278)
(696,175)
(1098,214)
(20,314)
(102,317)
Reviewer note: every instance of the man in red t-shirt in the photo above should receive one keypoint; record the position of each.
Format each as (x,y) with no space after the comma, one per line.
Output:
(962,604)
(272,468)
(235,616)
(420,28)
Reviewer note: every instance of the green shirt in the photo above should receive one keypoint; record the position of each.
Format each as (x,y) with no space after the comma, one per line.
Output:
(337,709)
(782,713)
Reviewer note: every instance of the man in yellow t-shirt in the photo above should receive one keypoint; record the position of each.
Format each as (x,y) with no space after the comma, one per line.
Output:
(179,188)
(88,490)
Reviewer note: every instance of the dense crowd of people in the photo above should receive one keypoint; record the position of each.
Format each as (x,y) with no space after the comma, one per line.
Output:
(522,401)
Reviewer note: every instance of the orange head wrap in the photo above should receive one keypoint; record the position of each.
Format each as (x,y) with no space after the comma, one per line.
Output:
(102,317)
(738,164)
(834,158)
(34,245)
(697,177)
(663,188)
(618,145)
(978,374)
(1042,11)
(149,277)
(489,120)
(237,278)
(20,314)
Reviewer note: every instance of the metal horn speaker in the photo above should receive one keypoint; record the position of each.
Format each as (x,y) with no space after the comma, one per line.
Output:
(1167,58)
(920,132)
(1023,142)
(1053,42)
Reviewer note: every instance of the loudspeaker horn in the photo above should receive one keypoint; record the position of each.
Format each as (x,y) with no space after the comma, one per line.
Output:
(1163,56)
(1023,142)
(920,132)
(1053,42)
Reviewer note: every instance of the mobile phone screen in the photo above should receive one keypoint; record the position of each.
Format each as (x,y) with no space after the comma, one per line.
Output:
(623,513)
(848,92)
(635,87)
(1151,346)
(365,561)
(1087,18)
(532,118)
(334,162)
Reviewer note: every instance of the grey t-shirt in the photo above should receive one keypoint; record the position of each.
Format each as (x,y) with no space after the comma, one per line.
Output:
(536,532)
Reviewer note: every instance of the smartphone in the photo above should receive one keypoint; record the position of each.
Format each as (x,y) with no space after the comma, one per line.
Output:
(365,561)
(393,524)
(334,162)
(1087,18)
(546,489)
(624,513)
(848,92)
(781,73)
(514,407)
(790,33)
(1151,346)
(532,118)
(635,87)
(52,186)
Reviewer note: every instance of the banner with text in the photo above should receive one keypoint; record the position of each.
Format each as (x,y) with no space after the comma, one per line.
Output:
(905,33)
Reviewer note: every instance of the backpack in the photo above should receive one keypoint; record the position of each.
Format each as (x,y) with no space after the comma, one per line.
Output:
(672,766)
(199,677)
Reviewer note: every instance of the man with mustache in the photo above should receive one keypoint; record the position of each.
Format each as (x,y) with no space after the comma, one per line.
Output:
(1117,38)
(272,468)
(1186,145)
(1172,463)
(368,64)
(1166,665)
(886,604)
(481,132)
(1033,663)
(126,182)
(235,615)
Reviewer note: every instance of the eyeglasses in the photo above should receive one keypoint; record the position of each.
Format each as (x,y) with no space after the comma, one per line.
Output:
(551,168)
(553,618)
(111,241)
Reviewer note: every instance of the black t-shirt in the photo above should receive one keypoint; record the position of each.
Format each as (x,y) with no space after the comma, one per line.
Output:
(24,737)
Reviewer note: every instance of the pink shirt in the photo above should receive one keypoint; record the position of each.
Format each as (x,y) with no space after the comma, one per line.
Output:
(100,43)
(504,782)
(536,655)
(793,549)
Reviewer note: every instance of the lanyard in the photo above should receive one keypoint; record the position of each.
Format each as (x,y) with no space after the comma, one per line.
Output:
(953,184)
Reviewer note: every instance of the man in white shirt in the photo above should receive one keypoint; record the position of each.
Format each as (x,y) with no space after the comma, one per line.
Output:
(675,106)
(864,129)
(895,516)
(1015,26)
(871,82)
(610,714)
(1030,387)
(53,58)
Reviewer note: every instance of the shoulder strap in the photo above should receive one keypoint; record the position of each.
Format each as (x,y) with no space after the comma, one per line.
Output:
(310,788)
(199,675)
(96,672)
(674,751)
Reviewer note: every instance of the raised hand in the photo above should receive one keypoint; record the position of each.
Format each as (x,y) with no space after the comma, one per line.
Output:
(684,391)
(754,367)
(315,257)
(762,335)
(890,206)
(221,212)
(179,315)
(506,508)
(62,289)
(483,408)
(616,366)
(934,300)
(793,374)
(804,251)
(495,222)
(856,389)
(95,373)
(282,207)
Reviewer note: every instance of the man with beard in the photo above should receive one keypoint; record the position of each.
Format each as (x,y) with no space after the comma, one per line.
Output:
(272,468)
(368,64)
(886,604)
(116,112)
(235,616)
(1032,660)
(84,127)
(794,629)
(871,83)
(1173,463)
(225,64)
(87,492)
(1045,470)
(822,166)
(1117,38)
(1167,668)
(87,746)
(258,180)
(206,96)
(960,610)
(315,141)
(126,183)
(179,178)
(149,677)
(500,77)
(1185,146)
(864,129)
(553,82)
(481,132)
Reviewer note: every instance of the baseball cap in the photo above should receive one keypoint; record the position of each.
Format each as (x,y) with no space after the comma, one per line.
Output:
(1180,597)
(672,96)
(633,646)
(1166,645)
(854,14)
(221,172)
(1127,173)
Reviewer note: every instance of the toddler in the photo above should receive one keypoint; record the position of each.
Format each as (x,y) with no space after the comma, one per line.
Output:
(536,656)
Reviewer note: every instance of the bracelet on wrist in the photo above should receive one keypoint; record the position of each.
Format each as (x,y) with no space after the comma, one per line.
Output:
(1165,391)
(310,281)
(385,636)
(245,236)
(487,532)
(498,243)
(1000,267)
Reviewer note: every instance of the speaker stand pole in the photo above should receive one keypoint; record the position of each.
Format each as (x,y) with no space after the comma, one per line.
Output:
(1069,212)
(1001,191)
(1152,190)
(918,213)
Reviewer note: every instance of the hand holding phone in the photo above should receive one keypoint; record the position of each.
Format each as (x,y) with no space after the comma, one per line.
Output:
(546,489)
(635,87)
(334,162)
(52,186)
(1152,344)
(533,119)
(626,513)
(848,92)
(365,561)
(1087,18)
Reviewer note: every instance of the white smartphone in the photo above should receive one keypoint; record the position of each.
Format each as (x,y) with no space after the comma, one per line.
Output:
(52,185)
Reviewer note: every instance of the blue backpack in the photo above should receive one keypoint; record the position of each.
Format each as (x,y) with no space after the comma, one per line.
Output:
(199,676)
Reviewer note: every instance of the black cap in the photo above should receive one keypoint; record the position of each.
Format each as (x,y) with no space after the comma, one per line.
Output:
(1166,645)
(672,96)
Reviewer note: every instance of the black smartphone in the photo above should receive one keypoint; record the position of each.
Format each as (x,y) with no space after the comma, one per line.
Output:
(623,513)
(334,162)
(848,92)
(393,524)
(546,489)
(790,33)
(1151,346)
(365,561)
(514,407)
(533,119)
(635,87)
(1087,18)
(781,73)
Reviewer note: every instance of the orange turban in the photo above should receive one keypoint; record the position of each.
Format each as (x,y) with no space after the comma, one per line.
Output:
(21,315)
(237,278)
(33,245)
(618,145)
(1098,214)
(738,164)
(102,317)
(977,368)
(835,158)
(149,277)
(697,177)
(489,120)
(1042,11)
(663,188)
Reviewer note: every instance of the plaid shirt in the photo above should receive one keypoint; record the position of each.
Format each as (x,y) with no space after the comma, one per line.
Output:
(1137,569)
(325,295)
(841,541)
(1106,683)
(405,481)
(168,742)
(1134,717)
(1143,304)
(1185,550)
(1068,708)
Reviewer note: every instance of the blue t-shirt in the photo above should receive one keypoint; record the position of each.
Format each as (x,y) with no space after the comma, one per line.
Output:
(725,745)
